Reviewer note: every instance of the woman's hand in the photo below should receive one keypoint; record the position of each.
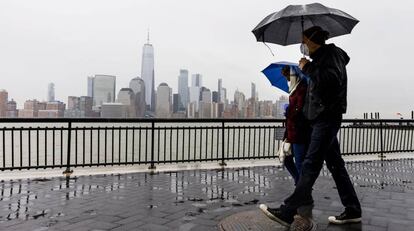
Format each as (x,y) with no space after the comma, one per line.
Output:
(303,62)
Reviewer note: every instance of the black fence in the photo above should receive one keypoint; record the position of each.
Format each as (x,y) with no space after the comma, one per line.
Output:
(69,143)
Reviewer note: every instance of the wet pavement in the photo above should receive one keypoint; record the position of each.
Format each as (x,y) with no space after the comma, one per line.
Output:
(199,199)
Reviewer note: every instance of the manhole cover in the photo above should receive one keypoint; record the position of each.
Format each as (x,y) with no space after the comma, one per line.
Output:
(249,220)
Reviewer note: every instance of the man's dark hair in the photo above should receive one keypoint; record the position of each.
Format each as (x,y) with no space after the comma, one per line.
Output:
(316,34)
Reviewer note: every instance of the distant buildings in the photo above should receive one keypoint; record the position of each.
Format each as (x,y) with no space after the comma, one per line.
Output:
(163,109)
(183,90)
(80,107)
(51,92)
(126,96)
(138,86)
(3,103)
(113,110)
(147,74)
(102,89)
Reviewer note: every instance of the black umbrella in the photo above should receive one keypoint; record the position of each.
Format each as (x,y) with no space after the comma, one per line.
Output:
(285,27)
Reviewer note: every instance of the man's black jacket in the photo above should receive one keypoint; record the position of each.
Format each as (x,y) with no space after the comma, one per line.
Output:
(327,89)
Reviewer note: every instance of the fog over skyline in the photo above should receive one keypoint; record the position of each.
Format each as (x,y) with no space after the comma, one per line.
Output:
(63,42)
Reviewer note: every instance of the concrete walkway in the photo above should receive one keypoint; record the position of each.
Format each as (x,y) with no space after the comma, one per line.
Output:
(199,199)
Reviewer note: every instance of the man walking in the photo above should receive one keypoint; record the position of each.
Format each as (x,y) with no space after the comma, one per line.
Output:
(324,105)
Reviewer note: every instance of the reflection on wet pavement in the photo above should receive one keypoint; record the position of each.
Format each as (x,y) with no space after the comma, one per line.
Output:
(197,192)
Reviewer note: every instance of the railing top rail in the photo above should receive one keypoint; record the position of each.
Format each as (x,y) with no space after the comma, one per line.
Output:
(178,120)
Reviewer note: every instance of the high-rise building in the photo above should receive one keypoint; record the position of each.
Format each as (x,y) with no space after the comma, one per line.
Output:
(51,92)
(147,74)
(126,96)
(53,109)
(90,86)
(85,106)
(239,102)
(113,110)
(220,90)
(12,111)
(205,104)
(280,107)
(197,80)
(30,109)
(4,95)
(253,91)
(163,109)
(183,90)
(195,91)
(215,96)
(176,103)
(138,86)
(103,89)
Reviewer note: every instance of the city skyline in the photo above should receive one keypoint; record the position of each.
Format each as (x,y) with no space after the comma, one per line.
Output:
(64,42)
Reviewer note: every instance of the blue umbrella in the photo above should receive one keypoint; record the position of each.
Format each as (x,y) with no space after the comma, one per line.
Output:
(274,74)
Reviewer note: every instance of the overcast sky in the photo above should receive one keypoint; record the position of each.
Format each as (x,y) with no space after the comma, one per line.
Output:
(63,42)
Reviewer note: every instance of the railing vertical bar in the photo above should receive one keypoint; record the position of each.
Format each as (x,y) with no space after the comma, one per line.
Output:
(68,150)
(146,144)
(259,143)
(133,145)
(45,137)
(139,145)
(91,146)
(228,141)
(4,147)
(176,145)
(152,145)
(189,143)
(165,144)
(21,147)
(182,149)
(171,145)
(83,146)
(61,148)
(268,141)
(248,150)
(217,142)
(37,147)
(12,146)
(201,144)
(113,145)
(106,145)
(76,147)
(244,142)
(274,140)
(254,141)
(238,143)
(158,142)
(126,144)
(222,143)
(119,144)
(99,144)
(29,141)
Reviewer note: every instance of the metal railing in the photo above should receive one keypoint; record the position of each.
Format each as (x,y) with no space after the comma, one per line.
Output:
(68,143)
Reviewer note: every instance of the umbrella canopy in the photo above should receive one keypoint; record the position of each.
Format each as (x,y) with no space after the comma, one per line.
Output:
(285,27)
(274,74)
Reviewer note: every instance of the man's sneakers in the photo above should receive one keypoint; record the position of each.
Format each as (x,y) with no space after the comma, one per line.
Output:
(345,218)
(302,224)
(276,215)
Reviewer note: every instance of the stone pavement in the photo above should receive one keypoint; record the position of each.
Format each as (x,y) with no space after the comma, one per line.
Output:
(199,199)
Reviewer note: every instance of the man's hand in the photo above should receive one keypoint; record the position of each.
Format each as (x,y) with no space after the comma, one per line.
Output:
(303,62)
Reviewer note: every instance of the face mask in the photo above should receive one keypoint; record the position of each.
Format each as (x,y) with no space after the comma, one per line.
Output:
(304,49)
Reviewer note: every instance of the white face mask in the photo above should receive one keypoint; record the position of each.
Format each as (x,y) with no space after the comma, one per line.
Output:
(304,49)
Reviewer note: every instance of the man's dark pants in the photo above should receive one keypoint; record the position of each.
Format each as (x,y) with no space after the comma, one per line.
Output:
(323,146)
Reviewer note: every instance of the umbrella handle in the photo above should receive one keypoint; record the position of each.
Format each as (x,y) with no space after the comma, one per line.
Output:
(302,21)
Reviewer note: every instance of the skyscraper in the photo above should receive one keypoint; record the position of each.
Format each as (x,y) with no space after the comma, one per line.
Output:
(220,90)
(90,86)
(147,74)
(126,96)
(3,103)
(51,92)
(253,91)
(195,90)
(183,90)
(103,89)
(163,109)
(138,86)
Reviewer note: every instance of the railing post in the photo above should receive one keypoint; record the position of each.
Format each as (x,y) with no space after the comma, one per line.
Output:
(222,163)
(152,166)
(381,156)
(68,171)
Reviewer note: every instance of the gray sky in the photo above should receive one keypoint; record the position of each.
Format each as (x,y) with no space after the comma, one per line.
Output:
(63,42)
